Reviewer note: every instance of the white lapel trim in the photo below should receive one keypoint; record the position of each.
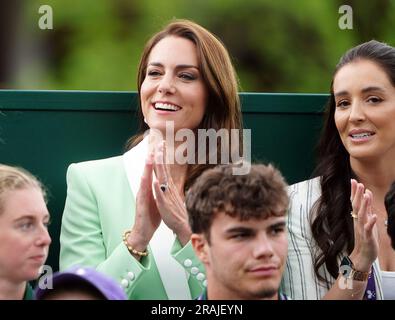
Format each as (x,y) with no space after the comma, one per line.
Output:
(378,280)
(163,238)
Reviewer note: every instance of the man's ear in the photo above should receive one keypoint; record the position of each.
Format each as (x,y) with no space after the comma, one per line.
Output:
(200,245)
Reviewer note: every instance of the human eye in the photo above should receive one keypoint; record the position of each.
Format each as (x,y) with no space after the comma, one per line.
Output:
(342,103)
(26,226)
(275,231)
(47,223)
(240,236)
(187,76)
(153,72)
(374,100)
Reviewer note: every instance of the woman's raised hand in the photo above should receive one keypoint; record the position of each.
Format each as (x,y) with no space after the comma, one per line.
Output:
(147,217)
(366,244)
(169,198)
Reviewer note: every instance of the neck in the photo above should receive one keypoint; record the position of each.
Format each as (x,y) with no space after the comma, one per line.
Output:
(11,291)
(376,175)
(223,295)
(217,291)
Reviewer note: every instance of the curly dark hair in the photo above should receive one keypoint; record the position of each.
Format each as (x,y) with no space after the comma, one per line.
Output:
(331,223)
(389,202)
(257,195)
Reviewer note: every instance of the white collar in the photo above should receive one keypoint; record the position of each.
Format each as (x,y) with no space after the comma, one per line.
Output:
(134,161)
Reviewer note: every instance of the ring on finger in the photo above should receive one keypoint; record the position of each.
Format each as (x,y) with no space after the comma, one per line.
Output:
(164,186)
(354,215)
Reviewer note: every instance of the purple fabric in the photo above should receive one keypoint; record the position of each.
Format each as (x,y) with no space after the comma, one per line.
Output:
(370,292)
(110,289)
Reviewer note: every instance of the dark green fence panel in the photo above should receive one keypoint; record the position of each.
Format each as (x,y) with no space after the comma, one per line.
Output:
(45,131)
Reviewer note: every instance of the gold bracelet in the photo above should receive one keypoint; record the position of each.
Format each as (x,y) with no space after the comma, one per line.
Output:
(130,248)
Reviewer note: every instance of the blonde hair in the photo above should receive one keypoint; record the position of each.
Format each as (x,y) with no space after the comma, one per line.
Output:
(219,76)
(14,178)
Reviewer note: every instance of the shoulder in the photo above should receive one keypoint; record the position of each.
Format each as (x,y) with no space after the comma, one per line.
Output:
(97,172)
(303,196)
(306,186)
(29,294)
(299,279)
(94,165)
(97,167)
(305,192)
(283,296)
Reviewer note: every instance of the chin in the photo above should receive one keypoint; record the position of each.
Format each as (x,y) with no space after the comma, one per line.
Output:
(265,293)
(29,275)
(172,129)
(34,272)
(363,155)
(161,126)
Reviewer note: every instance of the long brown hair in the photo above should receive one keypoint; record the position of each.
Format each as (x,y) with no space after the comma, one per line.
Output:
(389,202)
(332,224)
(223,106)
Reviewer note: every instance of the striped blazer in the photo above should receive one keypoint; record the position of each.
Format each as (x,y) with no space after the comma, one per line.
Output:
(299,279)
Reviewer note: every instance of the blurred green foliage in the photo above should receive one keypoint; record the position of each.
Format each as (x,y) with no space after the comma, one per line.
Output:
(277,46)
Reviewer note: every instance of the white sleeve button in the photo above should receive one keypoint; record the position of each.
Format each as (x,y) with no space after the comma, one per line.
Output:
(124,283)
(200,276)
(131,275)
(205,283)
(194,270)
(187,263)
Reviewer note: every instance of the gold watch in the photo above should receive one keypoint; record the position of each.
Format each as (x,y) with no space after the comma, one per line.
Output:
(348,271)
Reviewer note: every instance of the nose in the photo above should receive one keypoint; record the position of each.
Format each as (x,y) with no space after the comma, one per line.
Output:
(43,238)
(263,248)
(166,85)
(356,112)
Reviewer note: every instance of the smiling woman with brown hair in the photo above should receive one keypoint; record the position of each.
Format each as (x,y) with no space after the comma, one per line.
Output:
(357,144)
(186,79)
(24,238)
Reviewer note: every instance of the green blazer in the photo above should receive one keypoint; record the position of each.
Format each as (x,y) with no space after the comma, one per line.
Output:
(99,207)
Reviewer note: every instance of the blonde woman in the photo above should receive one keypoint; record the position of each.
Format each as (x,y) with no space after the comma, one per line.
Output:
(24,238)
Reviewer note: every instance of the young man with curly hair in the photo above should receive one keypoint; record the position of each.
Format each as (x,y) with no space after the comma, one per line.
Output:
(239,231)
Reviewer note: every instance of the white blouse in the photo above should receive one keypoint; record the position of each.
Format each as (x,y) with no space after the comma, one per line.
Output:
(388,284)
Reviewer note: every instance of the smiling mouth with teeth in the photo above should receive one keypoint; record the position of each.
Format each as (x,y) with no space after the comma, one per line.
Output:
(166,107)
(361,135)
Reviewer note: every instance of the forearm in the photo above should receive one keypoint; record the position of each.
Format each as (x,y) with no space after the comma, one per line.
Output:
(137,241)
(184,234)
(346,289)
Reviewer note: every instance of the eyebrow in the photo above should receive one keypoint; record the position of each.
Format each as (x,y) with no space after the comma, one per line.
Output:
(239,229)
(179,66)
(278,224)
(364,90)
(31,217)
